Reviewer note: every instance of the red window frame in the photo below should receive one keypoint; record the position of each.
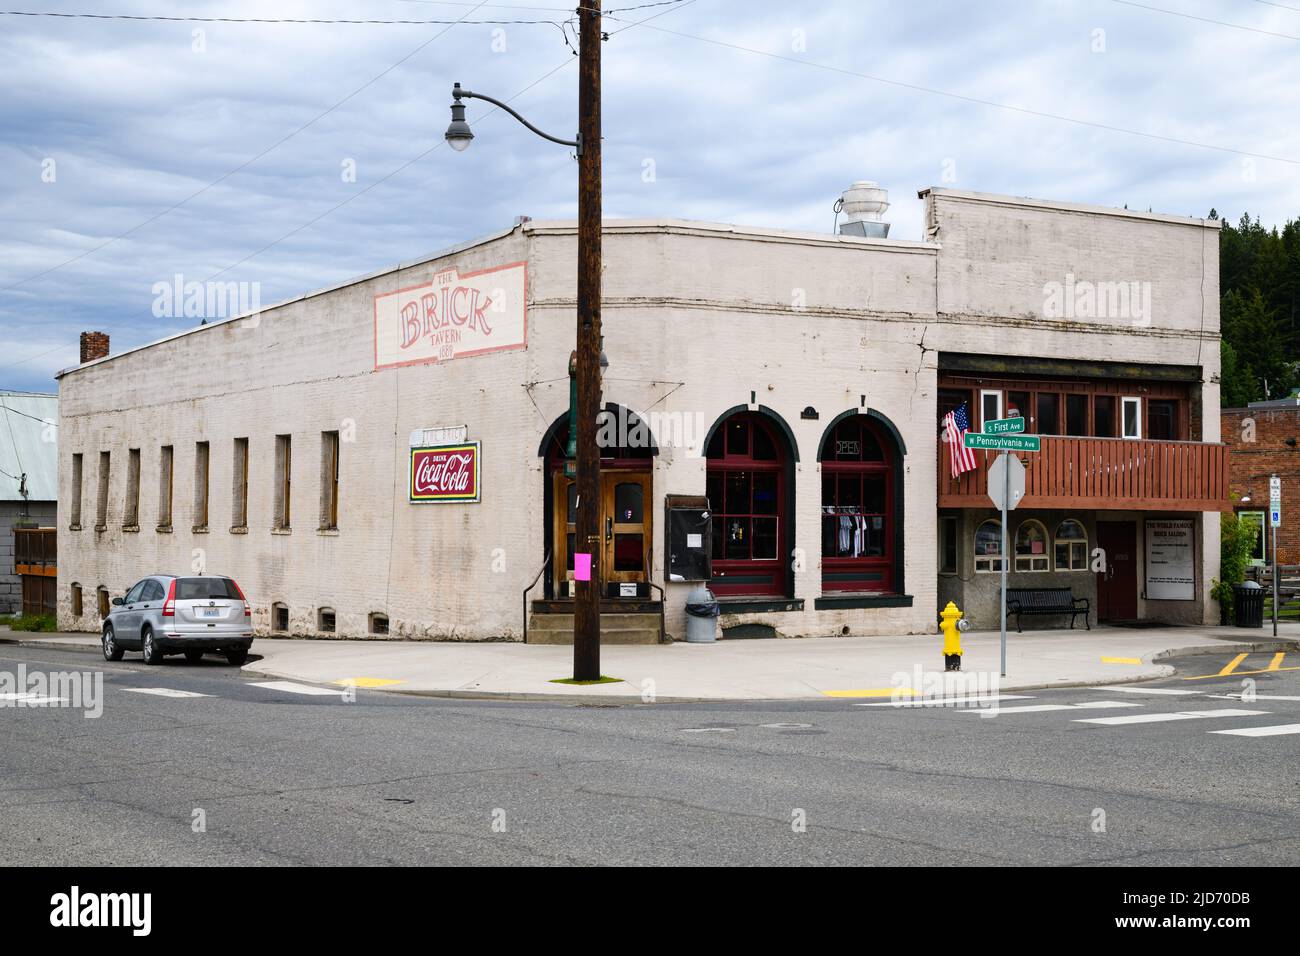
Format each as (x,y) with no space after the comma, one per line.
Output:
(868,572)
(748,576)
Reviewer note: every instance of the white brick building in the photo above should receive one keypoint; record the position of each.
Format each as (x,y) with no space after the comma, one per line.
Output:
(748,352)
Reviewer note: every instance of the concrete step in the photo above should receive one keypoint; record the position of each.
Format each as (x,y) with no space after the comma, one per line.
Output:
(614,629)
(563,622)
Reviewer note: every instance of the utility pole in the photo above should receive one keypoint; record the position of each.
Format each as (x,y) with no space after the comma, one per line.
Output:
(586,605)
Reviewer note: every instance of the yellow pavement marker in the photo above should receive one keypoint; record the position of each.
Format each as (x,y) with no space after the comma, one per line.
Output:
(872,692)
(1276,663)
(1121,660)
(1232,665)
(368,682)
(1269,670)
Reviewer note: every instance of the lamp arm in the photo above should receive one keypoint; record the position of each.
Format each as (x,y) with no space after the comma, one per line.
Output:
(458,93)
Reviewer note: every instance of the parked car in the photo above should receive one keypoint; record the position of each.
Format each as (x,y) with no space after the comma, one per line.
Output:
(165,614)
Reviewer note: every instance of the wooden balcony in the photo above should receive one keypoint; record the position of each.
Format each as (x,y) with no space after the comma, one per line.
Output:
(1103,473)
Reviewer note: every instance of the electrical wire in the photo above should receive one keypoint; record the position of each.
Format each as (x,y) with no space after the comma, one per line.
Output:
(1192,16)
(272,20)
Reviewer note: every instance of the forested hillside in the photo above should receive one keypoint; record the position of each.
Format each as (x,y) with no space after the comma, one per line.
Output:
(1259,281)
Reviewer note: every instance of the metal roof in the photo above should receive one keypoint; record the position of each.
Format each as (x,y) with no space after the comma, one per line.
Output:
(29,427)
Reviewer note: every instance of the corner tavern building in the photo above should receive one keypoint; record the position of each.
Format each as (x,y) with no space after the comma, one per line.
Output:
(387,457)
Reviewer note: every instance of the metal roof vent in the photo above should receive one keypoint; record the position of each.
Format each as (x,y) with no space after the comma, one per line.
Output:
(864,204)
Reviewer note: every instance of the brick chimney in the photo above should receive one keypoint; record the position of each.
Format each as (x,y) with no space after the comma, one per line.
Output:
(94,345)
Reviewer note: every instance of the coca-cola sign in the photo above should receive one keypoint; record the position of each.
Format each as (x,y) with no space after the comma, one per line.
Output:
(453,315)
(445,473)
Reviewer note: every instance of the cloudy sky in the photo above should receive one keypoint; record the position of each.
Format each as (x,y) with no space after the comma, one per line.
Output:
(296,156)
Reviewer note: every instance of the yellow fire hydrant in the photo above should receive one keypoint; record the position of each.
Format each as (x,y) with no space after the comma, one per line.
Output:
(951,637)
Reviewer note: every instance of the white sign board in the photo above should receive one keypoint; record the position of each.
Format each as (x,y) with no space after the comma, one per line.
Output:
(1170,560)
(1275,487)
(439,435)
(451,316)
(999,479)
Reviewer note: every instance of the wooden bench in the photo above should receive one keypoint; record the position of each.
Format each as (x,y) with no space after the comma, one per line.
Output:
(1022,601)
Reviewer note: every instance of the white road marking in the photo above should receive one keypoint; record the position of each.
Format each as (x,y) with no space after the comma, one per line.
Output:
(947,701)
(32,699)
(290,687)
(708,730)
(1241,697)
(1179,715)
(1150,690)
(1041,708)
(164,692)
(1273,731)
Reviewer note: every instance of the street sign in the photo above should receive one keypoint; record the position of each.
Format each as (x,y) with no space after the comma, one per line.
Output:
(1001,442)
(1275,487)
(1004,426)
(1275,516)
(1012,485)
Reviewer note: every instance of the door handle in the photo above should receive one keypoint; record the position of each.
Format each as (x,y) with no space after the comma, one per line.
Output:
(609,529)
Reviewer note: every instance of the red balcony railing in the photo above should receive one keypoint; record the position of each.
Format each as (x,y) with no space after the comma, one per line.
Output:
(1103,473)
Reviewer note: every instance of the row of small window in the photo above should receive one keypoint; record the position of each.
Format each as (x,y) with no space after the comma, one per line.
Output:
(325,617)
(1033,550)
(329,485)
(1057,413)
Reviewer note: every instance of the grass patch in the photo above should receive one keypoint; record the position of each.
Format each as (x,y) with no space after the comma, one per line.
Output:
(602,679)
(33,622)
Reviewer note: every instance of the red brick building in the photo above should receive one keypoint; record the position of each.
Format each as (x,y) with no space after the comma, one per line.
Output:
(1265,440)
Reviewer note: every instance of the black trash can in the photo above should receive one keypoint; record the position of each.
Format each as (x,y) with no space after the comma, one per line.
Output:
(1248,604)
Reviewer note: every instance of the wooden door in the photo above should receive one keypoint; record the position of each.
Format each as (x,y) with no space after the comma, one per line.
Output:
(1117,585)
(625,517)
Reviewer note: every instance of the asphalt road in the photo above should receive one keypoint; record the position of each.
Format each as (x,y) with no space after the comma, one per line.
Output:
(281,777)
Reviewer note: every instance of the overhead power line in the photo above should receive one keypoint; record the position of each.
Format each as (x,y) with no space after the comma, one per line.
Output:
(1219,23)
(271,20)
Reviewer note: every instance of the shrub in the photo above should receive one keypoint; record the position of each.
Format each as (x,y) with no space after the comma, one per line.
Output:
(1237,537)
(33,622)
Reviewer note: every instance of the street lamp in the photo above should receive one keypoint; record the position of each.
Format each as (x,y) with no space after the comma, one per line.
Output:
(586,362)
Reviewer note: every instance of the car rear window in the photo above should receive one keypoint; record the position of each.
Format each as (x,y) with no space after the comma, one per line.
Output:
(200,589)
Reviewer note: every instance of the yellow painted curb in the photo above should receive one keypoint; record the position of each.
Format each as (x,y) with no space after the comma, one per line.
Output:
(872,692)
(368,682)
(1121,660)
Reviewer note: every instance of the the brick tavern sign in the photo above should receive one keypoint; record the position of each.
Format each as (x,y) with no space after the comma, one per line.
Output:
(452,316)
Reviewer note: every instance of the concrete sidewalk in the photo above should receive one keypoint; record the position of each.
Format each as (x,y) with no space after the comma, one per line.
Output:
(797,669)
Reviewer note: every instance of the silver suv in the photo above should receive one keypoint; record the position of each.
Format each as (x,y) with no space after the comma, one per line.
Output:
(164,614)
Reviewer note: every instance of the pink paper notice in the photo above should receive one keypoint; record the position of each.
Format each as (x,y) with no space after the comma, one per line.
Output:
(581,567)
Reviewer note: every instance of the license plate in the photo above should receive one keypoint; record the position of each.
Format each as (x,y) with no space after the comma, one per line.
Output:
(210,612)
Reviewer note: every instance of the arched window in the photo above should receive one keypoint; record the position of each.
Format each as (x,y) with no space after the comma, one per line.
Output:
(747,486)
(988,546)
(858,519)
(1031,547)
(1071,546)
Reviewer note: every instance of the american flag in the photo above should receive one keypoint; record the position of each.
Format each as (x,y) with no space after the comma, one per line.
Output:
(955,426)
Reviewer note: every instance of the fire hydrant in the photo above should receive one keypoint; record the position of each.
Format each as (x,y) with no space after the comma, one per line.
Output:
(951,624)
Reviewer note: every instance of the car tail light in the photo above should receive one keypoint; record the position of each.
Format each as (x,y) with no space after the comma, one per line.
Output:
(248,611)
(169,606)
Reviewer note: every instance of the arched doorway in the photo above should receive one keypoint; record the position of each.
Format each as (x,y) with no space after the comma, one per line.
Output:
(628,450)
(862,505)
(750,486)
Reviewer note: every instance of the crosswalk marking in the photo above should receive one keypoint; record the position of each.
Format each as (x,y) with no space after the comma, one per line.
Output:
(1177,715)
(290,687)
(1129,689)
(948,701)
(1042,708)
(1272,731)
(1242,697)
(164,692)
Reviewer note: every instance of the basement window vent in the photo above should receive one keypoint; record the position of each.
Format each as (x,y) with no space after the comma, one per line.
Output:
(76,600)
(279,617)
(101,595)
(378,623)
(325,620)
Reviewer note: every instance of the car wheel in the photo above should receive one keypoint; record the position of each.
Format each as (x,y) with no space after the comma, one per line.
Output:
(152,652)
(194,656)
(112,650)
(237,657)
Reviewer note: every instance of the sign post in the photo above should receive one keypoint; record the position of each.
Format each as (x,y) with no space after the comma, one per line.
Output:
(1274,519)
(1003,435)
